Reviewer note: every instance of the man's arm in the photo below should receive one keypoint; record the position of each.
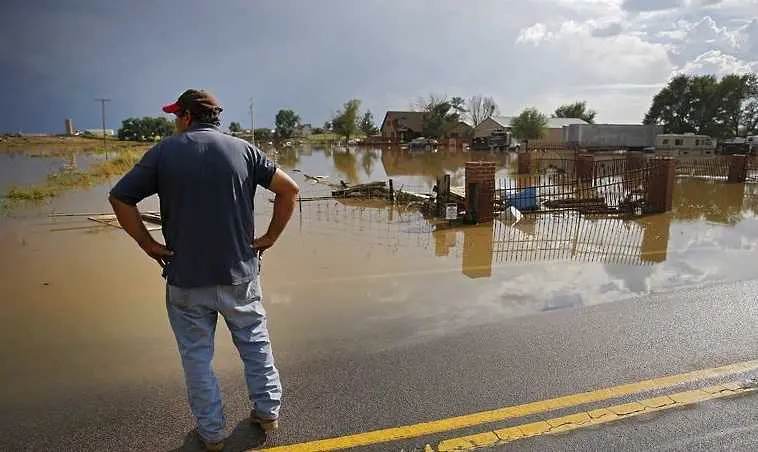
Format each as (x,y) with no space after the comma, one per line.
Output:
(130,219)
(286,191)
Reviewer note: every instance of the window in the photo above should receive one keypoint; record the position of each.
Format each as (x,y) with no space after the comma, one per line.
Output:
(666,141)
(697,142)
(678,142)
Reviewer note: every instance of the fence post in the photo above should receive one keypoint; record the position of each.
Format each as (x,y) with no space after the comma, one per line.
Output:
(585,167)
(480,191)
(737,168)
(524,162)
(660,185)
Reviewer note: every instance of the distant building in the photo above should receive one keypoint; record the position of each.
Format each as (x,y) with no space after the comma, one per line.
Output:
(303,131)
(500,124)
(69,127)
(402,126)
(99,132)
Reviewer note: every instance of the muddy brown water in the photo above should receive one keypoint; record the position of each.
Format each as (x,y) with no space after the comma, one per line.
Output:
(84,308)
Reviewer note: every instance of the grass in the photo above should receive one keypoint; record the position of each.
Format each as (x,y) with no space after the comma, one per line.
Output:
(323,137)
(66,179)
(66,146)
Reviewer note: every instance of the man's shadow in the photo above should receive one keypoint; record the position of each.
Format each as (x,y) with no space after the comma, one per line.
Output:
(245,436)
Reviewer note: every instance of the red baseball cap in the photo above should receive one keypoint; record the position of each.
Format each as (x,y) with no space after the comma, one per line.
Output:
(195,101)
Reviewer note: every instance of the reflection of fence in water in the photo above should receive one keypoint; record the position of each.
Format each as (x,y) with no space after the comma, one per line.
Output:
(369,221)
(572,237)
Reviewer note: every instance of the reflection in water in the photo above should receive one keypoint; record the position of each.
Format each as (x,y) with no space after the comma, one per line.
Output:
(368,159)
(346,163)
(542,238)
(709,200)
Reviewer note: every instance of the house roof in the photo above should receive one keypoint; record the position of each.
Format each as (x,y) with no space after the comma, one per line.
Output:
(557,123)
(413,120)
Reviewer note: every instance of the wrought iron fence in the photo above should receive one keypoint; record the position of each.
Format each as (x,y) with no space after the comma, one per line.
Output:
(712,167)
(752,168)
(610,189)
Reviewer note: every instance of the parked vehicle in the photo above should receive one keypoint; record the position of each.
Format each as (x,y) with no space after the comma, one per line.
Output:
(606,137)
(422,144)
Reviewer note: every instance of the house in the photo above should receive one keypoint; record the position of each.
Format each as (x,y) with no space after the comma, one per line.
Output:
(684,145)
(501,124)
(402,126)
(461,130)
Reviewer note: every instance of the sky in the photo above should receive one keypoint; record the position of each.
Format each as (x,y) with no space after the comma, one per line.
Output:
(57,57)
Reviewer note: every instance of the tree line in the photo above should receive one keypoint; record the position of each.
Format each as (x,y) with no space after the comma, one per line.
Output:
(700,104)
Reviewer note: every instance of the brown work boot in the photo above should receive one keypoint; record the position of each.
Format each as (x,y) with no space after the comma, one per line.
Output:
(266,424)
(209,445)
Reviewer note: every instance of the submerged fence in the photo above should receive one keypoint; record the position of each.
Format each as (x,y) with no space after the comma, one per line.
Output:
(606,186)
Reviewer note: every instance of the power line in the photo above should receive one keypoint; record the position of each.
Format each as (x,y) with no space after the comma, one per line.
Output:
(102,101)
(252,120)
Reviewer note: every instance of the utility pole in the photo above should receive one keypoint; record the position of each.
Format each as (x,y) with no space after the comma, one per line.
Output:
(252,120)
(102,104)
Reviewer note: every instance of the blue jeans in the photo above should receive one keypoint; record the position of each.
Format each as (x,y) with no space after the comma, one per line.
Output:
(193,313)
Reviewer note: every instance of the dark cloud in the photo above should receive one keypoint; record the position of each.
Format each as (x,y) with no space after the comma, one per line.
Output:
(609,30)
(637,6)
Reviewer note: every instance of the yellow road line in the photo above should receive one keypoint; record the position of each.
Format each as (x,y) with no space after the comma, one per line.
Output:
(484,417)
(592,418)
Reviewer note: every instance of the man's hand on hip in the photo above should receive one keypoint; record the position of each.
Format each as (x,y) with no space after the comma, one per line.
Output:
(157,251)
(263,243)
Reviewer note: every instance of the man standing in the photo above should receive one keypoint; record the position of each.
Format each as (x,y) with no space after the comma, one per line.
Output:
(206,181)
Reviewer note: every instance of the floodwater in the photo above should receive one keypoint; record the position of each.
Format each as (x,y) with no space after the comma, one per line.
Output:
(84,308)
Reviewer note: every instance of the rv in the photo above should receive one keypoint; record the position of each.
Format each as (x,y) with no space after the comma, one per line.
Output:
(684,145)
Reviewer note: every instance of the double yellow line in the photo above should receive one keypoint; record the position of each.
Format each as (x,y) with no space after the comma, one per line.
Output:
(565,423)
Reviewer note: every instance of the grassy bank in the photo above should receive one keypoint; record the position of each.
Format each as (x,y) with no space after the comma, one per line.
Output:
(66,146)
(64,180)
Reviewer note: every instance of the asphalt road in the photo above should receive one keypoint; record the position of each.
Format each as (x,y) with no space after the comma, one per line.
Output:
(510,362)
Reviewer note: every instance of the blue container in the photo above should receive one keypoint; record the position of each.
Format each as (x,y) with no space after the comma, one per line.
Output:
(525,199)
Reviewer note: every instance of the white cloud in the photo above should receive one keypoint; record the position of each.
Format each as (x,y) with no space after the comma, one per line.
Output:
(718,63)
(534,34)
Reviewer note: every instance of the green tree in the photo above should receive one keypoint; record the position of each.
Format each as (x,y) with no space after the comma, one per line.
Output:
(529,125)
(367,125)
(235,127)
(286,123)
(481,108)
(145,129)
(703,104)
(345,121)
(577,110)
(441,114)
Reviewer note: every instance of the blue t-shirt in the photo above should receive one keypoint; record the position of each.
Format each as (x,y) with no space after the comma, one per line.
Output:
(206,183)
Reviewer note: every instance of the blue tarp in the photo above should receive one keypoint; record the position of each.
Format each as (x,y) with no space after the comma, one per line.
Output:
(525,199)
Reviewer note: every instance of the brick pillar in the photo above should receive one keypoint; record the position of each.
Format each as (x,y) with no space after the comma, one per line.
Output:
(524,162)
(480,191)
(585,166)
(660,185)
(737,168)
